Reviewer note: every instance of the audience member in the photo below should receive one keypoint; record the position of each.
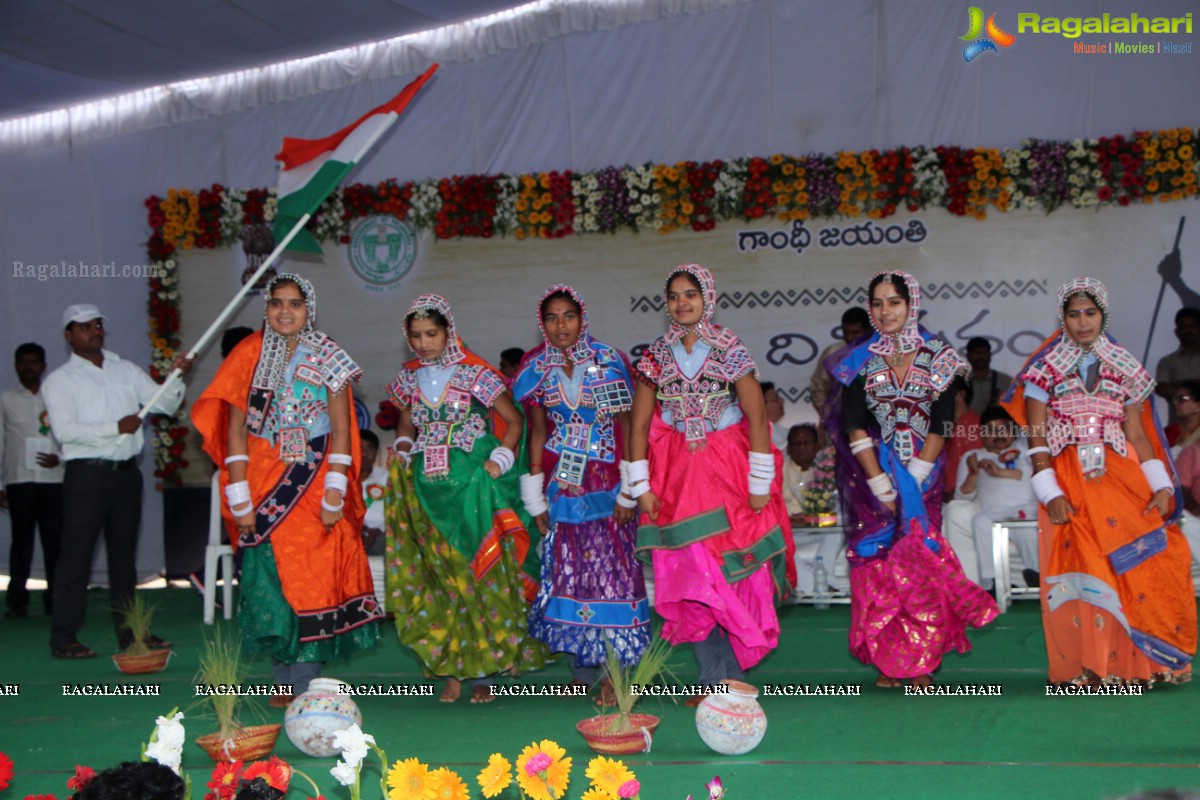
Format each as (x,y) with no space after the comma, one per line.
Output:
(856,323)
(374,485)
(800,466)
(774,404)
(1184,363)
(987,385)
(31,485)
(1185,403)
(510,362)
(992,485)
(964,436)
(92,401)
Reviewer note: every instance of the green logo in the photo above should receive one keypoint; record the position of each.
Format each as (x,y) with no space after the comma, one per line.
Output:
(383,249)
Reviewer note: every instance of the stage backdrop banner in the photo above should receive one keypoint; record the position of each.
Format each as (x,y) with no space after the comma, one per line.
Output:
(782,286)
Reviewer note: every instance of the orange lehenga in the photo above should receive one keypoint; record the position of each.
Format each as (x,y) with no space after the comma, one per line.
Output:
(1118,605)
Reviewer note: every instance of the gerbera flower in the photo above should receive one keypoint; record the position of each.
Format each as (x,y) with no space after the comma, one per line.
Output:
(608,774)
(550,782)
(274,771)
(445,784)
(408,780)
(225,777)
(595,794)
(6,771)
(496,776)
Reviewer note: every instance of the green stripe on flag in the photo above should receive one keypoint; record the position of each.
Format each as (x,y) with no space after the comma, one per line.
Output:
(305,200)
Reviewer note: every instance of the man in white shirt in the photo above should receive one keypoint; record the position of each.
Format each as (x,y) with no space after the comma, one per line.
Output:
(31,485)
(774,404)
(93,402)
(992,485)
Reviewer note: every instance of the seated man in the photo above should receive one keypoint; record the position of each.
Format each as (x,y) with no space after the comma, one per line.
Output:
(804,465)
(992,485)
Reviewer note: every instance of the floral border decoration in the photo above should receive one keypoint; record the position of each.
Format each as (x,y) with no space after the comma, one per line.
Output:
(1149,166)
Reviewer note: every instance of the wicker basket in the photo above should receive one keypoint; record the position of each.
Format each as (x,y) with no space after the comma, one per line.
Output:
(154,661)
(595,731)
(246,744)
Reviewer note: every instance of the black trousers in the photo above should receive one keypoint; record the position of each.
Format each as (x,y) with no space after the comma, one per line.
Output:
(95,500)
(33,507)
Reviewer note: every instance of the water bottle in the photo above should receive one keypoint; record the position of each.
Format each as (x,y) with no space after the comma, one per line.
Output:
(820,584)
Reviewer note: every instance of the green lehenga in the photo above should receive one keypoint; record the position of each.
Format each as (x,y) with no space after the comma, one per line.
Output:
(459,625)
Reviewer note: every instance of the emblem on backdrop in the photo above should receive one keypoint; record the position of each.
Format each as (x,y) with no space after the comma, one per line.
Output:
(383,250)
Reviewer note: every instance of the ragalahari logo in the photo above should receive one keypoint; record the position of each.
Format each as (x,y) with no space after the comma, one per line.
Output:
(979,44)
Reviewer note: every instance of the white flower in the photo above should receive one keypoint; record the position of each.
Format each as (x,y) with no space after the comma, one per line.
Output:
(167,747)
(345,774)
(353,743)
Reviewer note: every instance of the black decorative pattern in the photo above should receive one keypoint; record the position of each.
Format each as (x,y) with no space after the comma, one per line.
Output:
(325,623)
(853,295)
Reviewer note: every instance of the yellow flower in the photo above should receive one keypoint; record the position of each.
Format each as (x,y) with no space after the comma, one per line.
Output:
(596,794)
(544,180)
(777,159)
(445,784)
(549,783)
(1184,151)
(789,169)
(408,780)
(608,774)
(496,776)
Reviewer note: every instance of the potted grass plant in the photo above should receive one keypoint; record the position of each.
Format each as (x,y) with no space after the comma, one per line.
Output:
(627,732)
(140,658)
(222,671)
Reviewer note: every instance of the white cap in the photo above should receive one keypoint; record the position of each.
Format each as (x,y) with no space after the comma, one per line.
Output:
(81,312)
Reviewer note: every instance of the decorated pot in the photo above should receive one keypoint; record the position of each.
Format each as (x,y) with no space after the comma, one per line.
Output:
(732,722)
(315,716)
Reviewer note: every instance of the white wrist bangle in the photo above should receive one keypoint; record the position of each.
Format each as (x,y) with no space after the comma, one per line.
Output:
(858,445)
(242,510)
(1045,486)
(881,486)
(625,502)
(402,440)
(234,459)
(336,481)
(1156,475)
(638,471)
(919,469)
(623,494)
(503,458)
(532,495)
(341,458)
(237,494)
(759,485)
(336,508)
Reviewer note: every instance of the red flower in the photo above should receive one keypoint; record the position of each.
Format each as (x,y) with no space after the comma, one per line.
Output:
(1104,193)
(6,771)
(225,777)
(83,776)
(275,772)
(40,797)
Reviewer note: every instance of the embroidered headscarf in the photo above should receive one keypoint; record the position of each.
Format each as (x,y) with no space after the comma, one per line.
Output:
(333,364)
(909,338)
(707,330)
(580,351)
(1089,287)
(419,308)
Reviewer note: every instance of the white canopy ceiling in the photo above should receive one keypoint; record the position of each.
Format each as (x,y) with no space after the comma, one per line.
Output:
(56,53)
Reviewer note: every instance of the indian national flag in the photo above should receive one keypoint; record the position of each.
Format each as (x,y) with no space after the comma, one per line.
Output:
(312,168)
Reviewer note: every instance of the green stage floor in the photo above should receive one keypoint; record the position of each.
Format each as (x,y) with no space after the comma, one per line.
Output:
(882,743)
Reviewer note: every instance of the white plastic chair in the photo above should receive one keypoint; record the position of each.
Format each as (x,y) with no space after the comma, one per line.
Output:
(1002,559)
(215,553)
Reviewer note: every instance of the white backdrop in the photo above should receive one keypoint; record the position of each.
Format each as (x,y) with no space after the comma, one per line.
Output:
(757,77)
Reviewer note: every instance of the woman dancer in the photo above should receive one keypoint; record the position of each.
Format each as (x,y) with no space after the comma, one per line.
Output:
(1118,605)
(578,395)
(278,418)
(457,547)
(910,602)
(719,538)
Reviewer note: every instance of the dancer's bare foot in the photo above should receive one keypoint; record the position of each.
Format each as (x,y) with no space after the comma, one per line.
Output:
(884,682)
(921,682)
(482,694)
(452,691)
(607,696)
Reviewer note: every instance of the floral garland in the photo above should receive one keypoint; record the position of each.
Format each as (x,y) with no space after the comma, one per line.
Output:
(1149,166)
